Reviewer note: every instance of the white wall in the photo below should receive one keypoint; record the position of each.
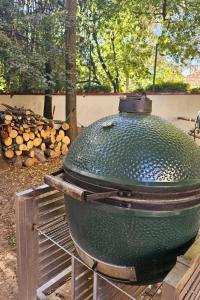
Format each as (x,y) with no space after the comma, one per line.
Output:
(92,107)
(35,102)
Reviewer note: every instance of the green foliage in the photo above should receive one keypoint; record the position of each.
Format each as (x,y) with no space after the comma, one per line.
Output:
(97,89)
(169,87)
(195,90)
(115,44)
(30,41)
(12,241)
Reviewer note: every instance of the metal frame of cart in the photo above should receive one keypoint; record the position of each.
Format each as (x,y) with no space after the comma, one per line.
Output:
(47,257)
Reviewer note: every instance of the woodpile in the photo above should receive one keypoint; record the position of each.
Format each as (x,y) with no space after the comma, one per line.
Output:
(27,137)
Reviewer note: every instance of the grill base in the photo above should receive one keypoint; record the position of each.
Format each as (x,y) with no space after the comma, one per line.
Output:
(119,273)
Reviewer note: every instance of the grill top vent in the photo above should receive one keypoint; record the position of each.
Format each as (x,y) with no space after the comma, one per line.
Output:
(135,104)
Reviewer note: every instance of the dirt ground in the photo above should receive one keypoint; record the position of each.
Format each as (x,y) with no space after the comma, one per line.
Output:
(14,180)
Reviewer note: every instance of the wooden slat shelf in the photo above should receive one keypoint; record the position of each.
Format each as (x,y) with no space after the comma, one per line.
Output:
(47,257)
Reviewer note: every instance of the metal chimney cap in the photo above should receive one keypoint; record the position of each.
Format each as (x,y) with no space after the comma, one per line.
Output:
(135,104)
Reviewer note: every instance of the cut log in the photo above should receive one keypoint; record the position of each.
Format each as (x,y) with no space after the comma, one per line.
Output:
(64,152)
(61,133)
(65,126)
(187,119)
(23,130)
(31,135)
(13,134)
(37,142)
(43,134)
(15,127)
(26,136)
(30,145)
(28,162)
(20,112)
(48,132)
(50,153)
(57,153)
(40,127)
(21,147)
(64,149)
(9,153)
(4,117)
(9,129)
(18,152)
(30,153)
(59,144)
(57,148)
(43,147)
(6,122)
(8,141)
(28,112)
(53,139)
(51,146)
(58,138)
(39,154)
(8,118)
(53,131)
(19,140)
(4,134)
(25,126)
(66,140)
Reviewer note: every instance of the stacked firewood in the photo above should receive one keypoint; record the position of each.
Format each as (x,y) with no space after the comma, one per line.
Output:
(29,137)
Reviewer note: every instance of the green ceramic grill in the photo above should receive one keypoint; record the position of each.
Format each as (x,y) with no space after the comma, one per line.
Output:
(133,193)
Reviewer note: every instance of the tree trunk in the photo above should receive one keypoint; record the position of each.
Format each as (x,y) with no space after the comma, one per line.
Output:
(101,59)
(70,43)
(48,94)
(127,84)
(116,87)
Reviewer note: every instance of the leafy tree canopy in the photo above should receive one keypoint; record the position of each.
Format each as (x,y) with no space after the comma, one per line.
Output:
(115,43)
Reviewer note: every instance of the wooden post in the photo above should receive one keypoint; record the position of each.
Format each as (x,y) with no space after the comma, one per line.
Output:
(70,43)
(48,112)
(175,282)
(27,247)
(82,281)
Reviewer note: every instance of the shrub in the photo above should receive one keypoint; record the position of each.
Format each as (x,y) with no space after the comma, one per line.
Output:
(195,90)
(167,87)
(97,89)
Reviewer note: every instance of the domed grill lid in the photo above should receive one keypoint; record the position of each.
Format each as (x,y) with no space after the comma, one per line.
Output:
(136,151)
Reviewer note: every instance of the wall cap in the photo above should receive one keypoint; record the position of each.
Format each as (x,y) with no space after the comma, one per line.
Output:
(102,94)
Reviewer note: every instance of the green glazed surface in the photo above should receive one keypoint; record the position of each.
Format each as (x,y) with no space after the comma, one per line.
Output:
(136,150)
(149,241)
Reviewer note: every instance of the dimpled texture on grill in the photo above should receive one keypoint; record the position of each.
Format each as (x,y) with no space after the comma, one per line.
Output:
(135,149)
